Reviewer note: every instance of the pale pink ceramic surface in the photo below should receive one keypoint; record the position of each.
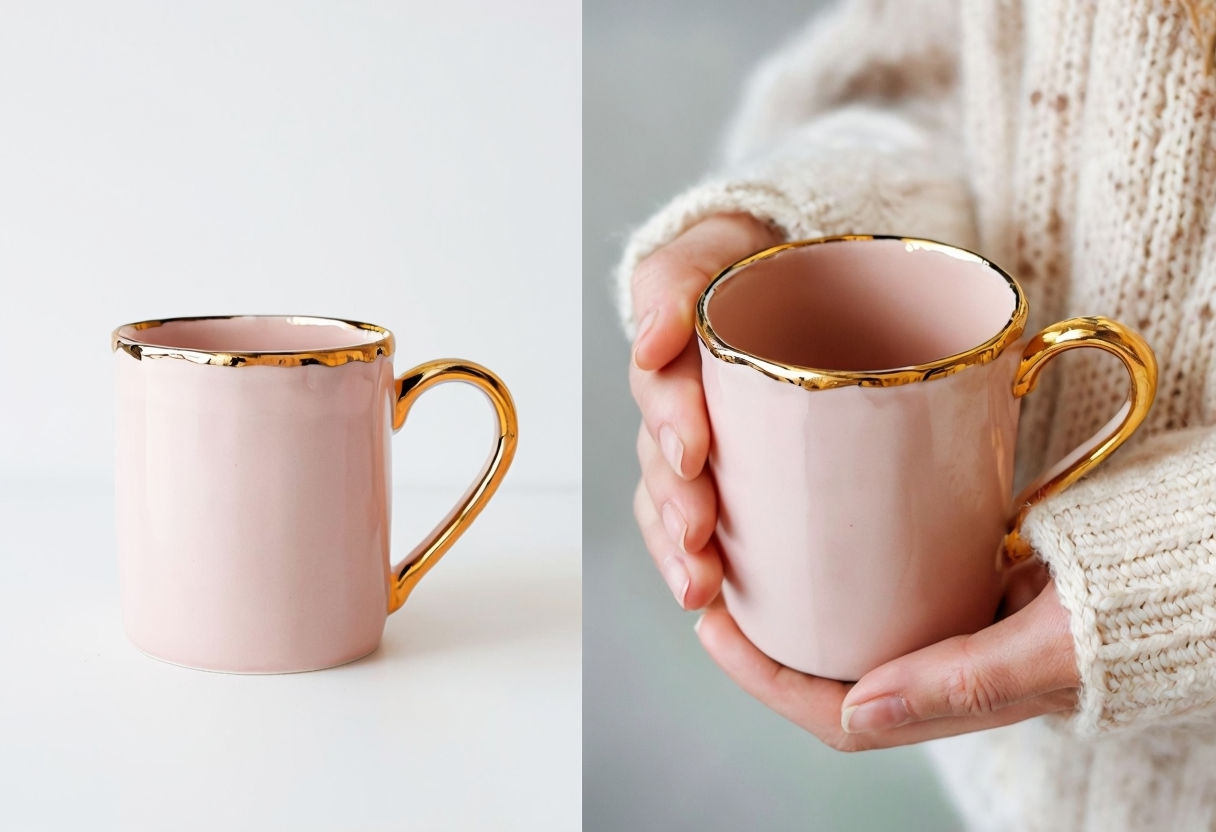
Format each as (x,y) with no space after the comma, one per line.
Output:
(253,502)
(253,333)
(860,523)
(860,305)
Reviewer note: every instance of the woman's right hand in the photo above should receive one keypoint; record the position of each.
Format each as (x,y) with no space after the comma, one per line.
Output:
(675,503)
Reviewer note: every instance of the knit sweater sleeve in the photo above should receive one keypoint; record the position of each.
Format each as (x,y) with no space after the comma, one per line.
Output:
(849,128)
(1133,552)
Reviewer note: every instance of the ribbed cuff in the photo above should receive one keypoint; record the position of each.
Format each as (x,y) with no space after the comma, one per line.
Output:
(816,192)
(763,200)
(1133,554)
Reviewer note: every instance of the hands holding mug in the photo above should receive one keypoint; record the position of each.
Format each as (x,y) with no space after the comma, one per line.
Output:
(1019,667)
(675,503)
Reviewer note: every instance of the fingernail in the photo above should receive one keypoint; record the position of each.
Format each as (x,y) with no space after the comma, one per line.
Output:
(676,576)
(875,715)
(696,628)
(674,522)
(644,327)
(673,448)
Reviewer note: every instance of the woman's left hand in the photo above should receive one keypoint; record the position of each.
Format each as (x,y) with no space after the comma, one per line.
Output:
(1022,666)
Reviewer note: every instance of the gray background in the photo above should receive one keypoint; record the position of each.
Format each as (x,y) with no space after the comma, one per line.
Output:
(669,742)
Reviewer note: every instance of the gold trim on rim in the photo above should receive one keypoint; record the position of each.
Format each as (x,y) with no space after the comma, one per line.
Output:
(331,357)
(812,378)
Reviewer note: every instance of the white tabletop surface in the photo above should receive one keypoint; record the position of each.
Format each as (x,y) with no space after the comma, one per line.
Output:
(466,718)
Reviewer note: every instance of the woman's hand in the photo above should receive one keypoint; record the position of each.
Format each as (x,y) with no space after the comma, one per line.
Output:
(675,503)
(1023,666)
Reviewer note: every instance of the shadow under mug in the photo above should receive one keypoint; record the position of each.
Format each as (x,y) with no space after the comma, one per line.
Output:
(253,480)
(863,395)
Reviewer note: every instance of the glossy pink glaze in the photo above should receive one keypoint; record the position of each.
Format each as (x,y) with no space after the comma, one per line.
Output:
(253,511)
(857,305)
(861,523)
(252,334)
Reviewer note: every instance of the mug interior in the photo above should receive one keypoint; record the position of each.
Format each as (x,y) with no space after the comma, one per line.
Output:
(861,305)
(253,334)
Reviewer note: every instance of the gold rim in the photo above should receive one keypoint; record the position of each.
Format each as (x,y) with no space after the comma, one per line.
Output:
(139,348)
(813,378)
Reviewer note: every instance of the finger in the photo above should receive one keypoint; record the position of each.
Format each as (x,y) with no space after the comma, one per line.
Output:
(666,284)
(1061,701)
(1021,657)
(688,508)
(694,578)
(814,704)
(809,701)
(1023,583)
(1057,702)
(672,402)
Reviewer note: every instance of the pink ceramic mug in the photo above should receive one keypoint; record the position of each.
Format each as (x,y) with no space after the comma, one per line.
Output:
(863,399)
(253,487)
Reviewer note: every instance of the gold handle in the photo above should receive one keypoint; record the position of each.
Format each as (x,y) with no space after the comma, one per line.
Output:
(1141,364)
(406,575)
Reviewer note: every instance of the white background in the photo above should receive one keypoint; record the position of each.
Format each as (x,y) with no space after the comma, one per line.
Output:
(415,165)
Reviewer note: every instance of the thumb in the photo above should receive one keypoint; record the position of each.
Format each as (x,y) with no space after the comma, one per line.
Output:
(665,286)
(1028,654)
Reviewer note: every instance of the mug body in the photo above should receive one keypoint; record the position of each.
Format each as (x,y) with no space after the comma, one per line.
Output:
(253,490)
(863,429)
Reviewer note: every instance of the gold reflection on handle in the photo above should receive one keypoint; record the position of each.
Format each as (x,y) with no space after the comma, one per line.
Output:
(1141,364)
(406,575)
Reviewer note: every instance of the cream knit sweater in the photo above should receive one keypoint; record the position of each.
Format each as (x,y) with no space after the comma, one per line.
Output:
(1072,142)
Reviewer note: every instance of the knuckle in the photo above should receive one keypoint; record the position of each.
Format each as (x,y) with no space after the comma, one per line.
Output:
(640,497)
(637,383)
(652,272)
(652,392)
(643,444)
(653,492)
(969,690)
